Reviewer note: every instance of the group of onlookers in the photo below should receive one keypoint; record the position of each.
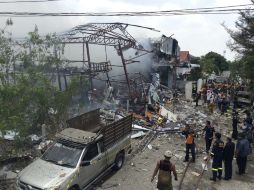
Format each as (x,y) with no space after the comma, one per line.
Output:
(218,96)
(223,152)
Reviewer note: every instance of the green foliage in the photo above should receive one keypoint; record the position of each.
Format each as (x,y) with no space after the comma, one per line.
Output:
(243,44)
(28,97)
(197,72)
(213,62)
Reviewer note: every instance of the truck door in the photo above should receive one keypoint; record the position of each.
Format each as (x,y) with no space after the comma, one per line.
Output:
(94,162)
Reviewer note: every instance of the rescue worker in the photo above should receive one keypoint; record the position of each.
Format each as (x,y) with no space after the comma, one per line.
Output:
(217,155)
(209,132)
(165,168)
(228,155)
(190,143)
(242,151)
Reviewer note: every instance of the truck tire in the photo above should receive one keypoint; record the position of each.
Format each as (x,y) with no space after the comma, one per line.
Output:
(119,161)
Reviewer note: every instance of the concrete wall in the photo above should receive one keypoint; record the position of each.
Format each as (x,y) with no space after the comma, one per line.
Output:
(188,90)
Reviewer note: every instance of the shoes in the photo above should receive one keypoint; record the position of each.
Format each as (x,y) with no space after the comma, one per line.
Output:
(238,173)
(192,161)
(186,161)
(212,179)
(225,178)
(219,177)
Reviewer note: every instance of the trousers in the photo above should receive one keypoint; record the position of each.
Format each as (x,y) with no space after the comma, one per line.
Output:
(208,143)
(217,167)
(241,163)
(188,148)
(228,169)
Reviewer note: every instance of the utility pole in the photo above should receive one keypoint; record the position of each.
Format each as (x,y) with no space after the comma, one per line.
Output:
(89,66)
(174,82)
(125,69)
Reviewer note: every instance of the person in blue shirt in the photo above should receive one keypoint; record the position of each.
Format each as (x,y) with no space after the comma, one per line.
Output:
(242,151)
(209,133)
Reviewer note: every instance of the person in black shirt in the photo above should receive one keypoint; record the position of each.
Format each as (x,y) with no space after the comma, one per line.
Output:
(209,132)
(234,125)
(228,155)
(198,96)
(217,155)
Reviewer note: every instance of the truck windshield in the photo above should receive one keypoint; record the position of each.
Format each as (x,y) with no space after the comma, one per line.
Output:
(62,155)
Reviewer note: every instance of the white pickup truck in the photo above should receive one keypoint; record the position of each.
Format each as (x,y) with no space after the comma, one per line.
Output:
(82,153)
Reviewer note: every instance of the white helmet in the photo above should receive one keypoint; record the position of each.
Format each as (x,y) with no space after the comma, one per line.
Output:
(168,154)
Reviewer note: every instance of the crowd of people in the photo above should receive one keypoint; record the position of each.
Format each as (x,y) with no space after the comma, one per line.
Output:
(218,151)
(219,96)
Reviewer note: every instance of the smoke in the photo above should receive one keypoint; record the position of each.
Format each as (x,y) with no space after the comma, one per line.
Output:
(101,54)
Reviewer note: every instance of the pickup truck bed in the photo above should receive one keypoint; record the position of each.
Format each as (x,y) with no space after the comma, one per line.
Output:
(94,122)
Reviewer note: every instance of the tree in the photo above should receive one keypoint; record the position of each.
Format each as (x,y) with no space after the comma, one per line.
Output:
(214,62)
(32,99)
(195,73)
(243,43)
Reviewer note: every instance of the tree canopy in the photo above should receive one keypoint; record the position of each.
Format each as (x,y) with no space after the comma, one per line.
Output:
(29,97)
(213,62)
(243,43)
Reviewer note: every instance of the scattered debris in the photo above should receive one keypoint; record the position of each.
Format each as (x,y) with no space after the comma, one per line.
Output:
(195,174)
(168,114)
(9,135)
(138,134)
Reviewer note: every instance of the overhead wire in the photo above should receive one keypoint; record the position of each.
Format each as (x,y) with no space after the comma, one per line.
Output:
(28,1)
(233,9)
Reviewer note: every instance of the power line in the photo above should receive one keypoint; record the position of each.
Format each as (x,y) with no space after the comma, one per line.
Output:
(208,10)
(28,1)
(164,13)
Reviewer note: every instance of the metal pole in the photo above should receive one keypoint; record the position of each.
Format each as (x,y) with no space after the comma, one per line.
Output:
(57,70)
(124,67)
(174,83)
(127,106)
(89,66)
(183,176)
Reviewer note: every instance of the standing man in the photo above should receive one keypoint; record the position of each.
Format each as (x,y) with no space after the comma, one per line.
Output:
(228,155)
(223,106)
(234,125)
(248,122)
(242,151)
(217,155)
(198,96)
(165,167)
(190,144)
(209,132)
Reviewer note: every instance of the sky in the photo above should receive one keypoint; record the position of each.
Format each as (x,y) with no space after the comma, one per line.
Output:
(198,34)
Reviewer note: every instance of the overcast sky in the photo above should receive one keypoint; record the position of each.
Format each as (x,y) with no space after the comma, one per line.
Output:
(198,34)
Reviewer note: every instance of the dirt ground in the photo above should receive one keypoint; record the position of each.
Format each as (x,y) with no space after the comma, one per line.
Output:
(137,171)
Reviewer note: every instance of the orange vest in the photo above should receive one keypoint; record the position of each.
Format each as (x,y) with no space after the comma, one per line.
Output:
(189,139)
